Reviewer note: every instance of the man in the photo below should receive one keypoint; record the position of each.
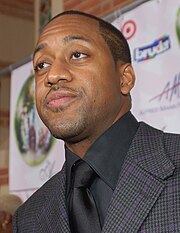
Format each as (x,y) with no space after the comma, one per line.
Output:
(5,222)
(83,82)
(8,205)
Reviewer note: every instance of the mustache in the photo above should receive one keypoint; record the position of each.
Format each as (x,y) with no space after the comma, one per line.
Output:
(56,87)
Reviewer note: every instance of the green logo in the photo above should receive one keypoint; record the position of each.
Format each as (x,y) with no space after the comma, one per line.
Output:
(33,138)
(178,25)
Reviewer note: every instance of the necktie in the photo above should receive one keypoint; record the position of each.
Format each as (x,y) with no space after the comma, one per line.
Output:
(83,214)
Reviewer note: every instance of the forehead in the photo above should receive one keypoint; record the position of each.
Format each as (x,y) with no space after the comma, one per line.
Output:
(72,24)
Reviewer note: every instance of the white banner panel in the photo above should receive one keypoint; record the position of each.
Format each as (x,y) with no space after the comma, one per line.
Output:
(35,155)
(153,32)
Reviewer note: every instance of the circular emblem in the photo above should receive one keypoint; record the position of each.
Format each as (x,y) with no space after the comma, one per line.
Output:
(33,138)
(128,29)
(178,25)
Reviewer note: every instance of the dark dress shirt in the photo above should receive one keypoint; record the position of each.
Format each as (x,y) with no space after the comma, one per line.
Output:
(106,157)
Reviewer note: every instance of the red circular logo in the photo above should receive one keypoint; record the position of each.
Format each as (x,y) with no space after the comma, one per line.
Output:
(128,29)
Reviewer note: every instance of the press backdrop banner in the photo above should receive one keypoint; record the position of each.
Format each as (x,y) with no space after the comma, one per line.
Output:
(35,155)
(153,32)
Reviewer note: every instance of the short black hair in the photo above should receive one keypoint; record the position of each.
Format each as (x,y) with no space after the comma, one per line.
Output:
(114,38)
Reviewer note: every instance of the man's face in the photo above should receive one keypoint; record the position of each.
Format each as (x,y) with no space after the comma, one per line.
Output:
(77,82)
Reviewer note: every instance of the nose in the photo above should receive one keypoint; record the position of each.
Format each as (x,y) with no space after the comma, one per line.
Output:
(58,72)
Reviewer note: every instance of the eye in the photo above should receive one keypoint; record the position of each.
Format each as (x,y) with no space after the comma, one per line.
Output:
(40,66)
(78,55)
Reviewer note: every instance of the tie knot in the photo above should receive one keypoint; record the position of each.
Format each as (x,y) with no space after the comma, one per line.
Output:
(83,175)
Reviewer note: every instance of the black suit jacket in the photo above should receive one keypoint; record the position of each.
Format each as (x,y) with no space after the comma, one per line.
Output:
(146,199)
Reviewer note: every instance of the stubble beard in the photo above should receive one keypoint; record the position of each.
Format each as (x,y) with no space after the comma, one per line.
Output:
(69,130)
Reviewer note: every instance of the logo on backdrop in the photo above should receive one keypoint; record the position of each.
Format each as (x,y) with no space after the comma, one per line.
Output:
(152,50)
(178,25)
(170,91)
(32,137)
(128,29)
(168,98)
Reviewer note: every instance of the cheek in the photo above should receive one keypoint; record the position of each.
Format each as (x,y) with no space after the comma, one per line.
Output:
(100,86)
(39,94)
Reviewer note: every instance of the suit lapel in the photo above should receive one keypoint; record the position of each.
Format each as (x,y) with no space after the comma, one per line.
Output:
(140,182)
(53,217)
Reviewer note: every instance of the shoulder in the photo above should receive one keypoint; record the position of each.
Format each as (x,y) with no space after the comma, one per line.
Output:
(46,192)
(168,137)
(172,146)
(170,141)
(35,205)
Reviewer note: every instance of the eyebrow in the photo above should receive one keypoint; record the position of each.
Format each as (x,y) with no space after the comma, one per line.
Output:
(70,38)
(66,40)
(39,48)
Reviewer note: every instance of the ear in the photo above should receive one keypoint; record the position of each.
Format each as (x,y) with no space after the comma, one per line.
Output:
(127,78)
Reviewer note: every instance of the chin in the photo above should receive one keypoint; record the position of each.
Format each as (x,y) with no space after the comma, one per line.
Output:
(67,132)
(66,127)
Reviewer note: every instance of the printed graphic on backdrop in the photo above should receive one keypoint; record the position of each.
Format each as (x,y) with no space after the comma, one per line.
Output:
(153,33)
(35,156)
(178,25)
(153,49)
(33,138)
(128,29)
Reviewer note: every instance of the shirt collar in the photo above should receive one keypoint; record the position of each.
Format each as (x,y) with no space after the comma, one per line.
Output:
(107,154)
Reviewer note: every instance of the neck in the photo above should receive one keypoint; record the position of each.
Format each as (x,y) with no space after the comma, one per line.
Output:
(79,148)
(81,145)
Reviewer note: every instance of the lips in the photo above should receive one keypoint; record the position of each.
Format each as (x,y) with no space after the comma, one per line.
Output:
(60,98)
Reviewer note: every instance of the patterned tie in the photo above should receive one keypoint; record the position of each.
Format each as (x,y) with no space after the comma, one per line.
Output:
(83,214)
